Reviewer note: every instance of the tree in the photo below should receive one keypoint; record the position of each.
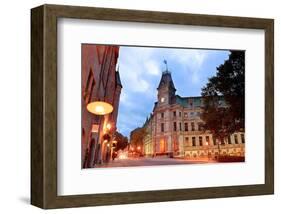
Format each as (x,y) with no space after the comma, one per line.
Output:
(224,97)
(136,137)
(122,141)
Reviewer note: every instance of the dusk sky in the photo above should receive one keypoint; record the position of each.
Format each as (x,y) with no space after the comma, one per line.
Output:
(140,72)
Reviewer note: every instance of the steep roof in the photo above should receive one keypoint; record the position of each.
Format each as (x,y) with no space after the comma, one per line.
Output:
(118,80)
(189,102)
(166,79)
(195,102)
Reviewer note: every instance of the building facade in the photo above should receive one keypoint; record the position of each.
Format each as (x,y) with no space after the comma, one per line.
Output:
(147,140)
(100,82)
(175,128)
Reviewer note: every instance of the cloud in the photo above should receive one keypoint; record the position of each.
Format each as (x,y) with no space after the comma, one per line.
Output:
(152,67)
(132,80)
(135,66)
(191,60)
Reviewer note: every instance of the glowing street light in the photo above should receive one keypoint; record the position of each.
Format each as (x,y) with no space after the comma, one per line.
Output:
(100,108)
(108,126)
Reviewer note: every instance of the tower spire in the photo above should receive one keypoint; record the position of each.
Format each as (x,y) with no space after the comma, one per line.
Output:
(166,63)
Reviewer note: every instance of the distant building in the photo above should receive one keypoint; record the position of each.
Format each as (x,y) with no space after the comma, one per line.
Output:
(100,82)
(175,127)
(147,141)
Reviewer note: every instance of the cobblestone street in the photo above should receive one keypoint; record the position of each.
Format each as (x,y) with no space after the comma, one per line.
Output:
(150,162)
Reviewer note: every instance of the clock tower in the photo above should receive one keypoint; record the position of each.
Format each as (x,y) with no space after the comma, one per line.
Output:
(166,89)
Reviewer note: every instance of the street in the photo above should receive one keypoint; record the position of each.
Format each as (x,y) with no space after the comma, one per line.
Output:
(149,162)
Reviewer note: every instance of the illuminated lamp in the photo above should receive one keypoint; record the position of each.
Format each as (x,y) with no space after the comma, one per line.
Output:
(108,126)
(100,108)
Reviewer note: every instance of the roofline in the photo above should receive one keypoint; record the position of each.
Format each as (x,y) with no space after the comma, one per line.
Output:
(188,97)
(197,96)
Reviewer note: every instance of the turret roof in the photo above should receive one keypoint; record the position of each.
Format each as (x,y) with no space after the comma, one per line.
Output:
(118,80)
(166,79)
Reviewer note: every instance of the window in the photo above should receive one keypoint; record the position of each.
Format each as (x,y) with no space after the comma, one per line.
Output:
(201,126)
(235,139)
(193,141)
(200,141)
(162,99)
(208,139)
(186,127)
(175,126)
(162,127)
(214,141)
(229,139)
(185,114)
(243,138)
(180,126)
(87,94)
(186,141)
(180,113)
(192,126)
(90,76)
(162,115)
(175,113)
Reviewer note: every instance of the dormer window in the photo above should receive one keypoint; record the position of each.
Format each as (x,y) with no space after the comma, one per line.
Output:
(162,99)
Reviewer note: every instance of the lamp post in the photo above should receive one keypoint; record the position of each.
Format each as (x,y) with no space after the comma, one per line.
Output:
(99,108)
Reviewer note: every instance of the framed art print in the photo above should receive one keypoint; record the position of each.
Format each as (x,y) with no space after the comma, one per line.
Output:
(139,106)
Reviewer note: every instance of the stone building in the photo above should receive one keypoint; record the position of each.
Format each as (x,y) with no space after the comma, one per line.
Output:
(100,82)
(147,140)
(175,127)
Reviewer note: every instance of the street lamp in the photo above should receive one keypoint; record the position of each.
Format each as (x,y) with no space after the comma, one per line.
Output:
(108,126)
(99,108)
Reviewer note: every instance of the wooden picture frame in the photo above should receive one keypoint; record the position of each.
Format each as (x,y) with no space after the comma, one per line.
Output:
(44,106)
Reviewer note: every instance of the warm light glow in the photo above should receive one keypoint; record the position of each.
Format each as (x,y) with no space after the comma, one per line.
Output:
(95,128)
(108,145)
(139,147)
(132,149)
(108,126)
(122,156)
(207,143)
(100,108)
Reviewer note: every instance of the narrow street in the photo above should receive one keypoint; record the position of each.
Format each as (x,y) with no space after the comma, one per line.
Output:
(149,162)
